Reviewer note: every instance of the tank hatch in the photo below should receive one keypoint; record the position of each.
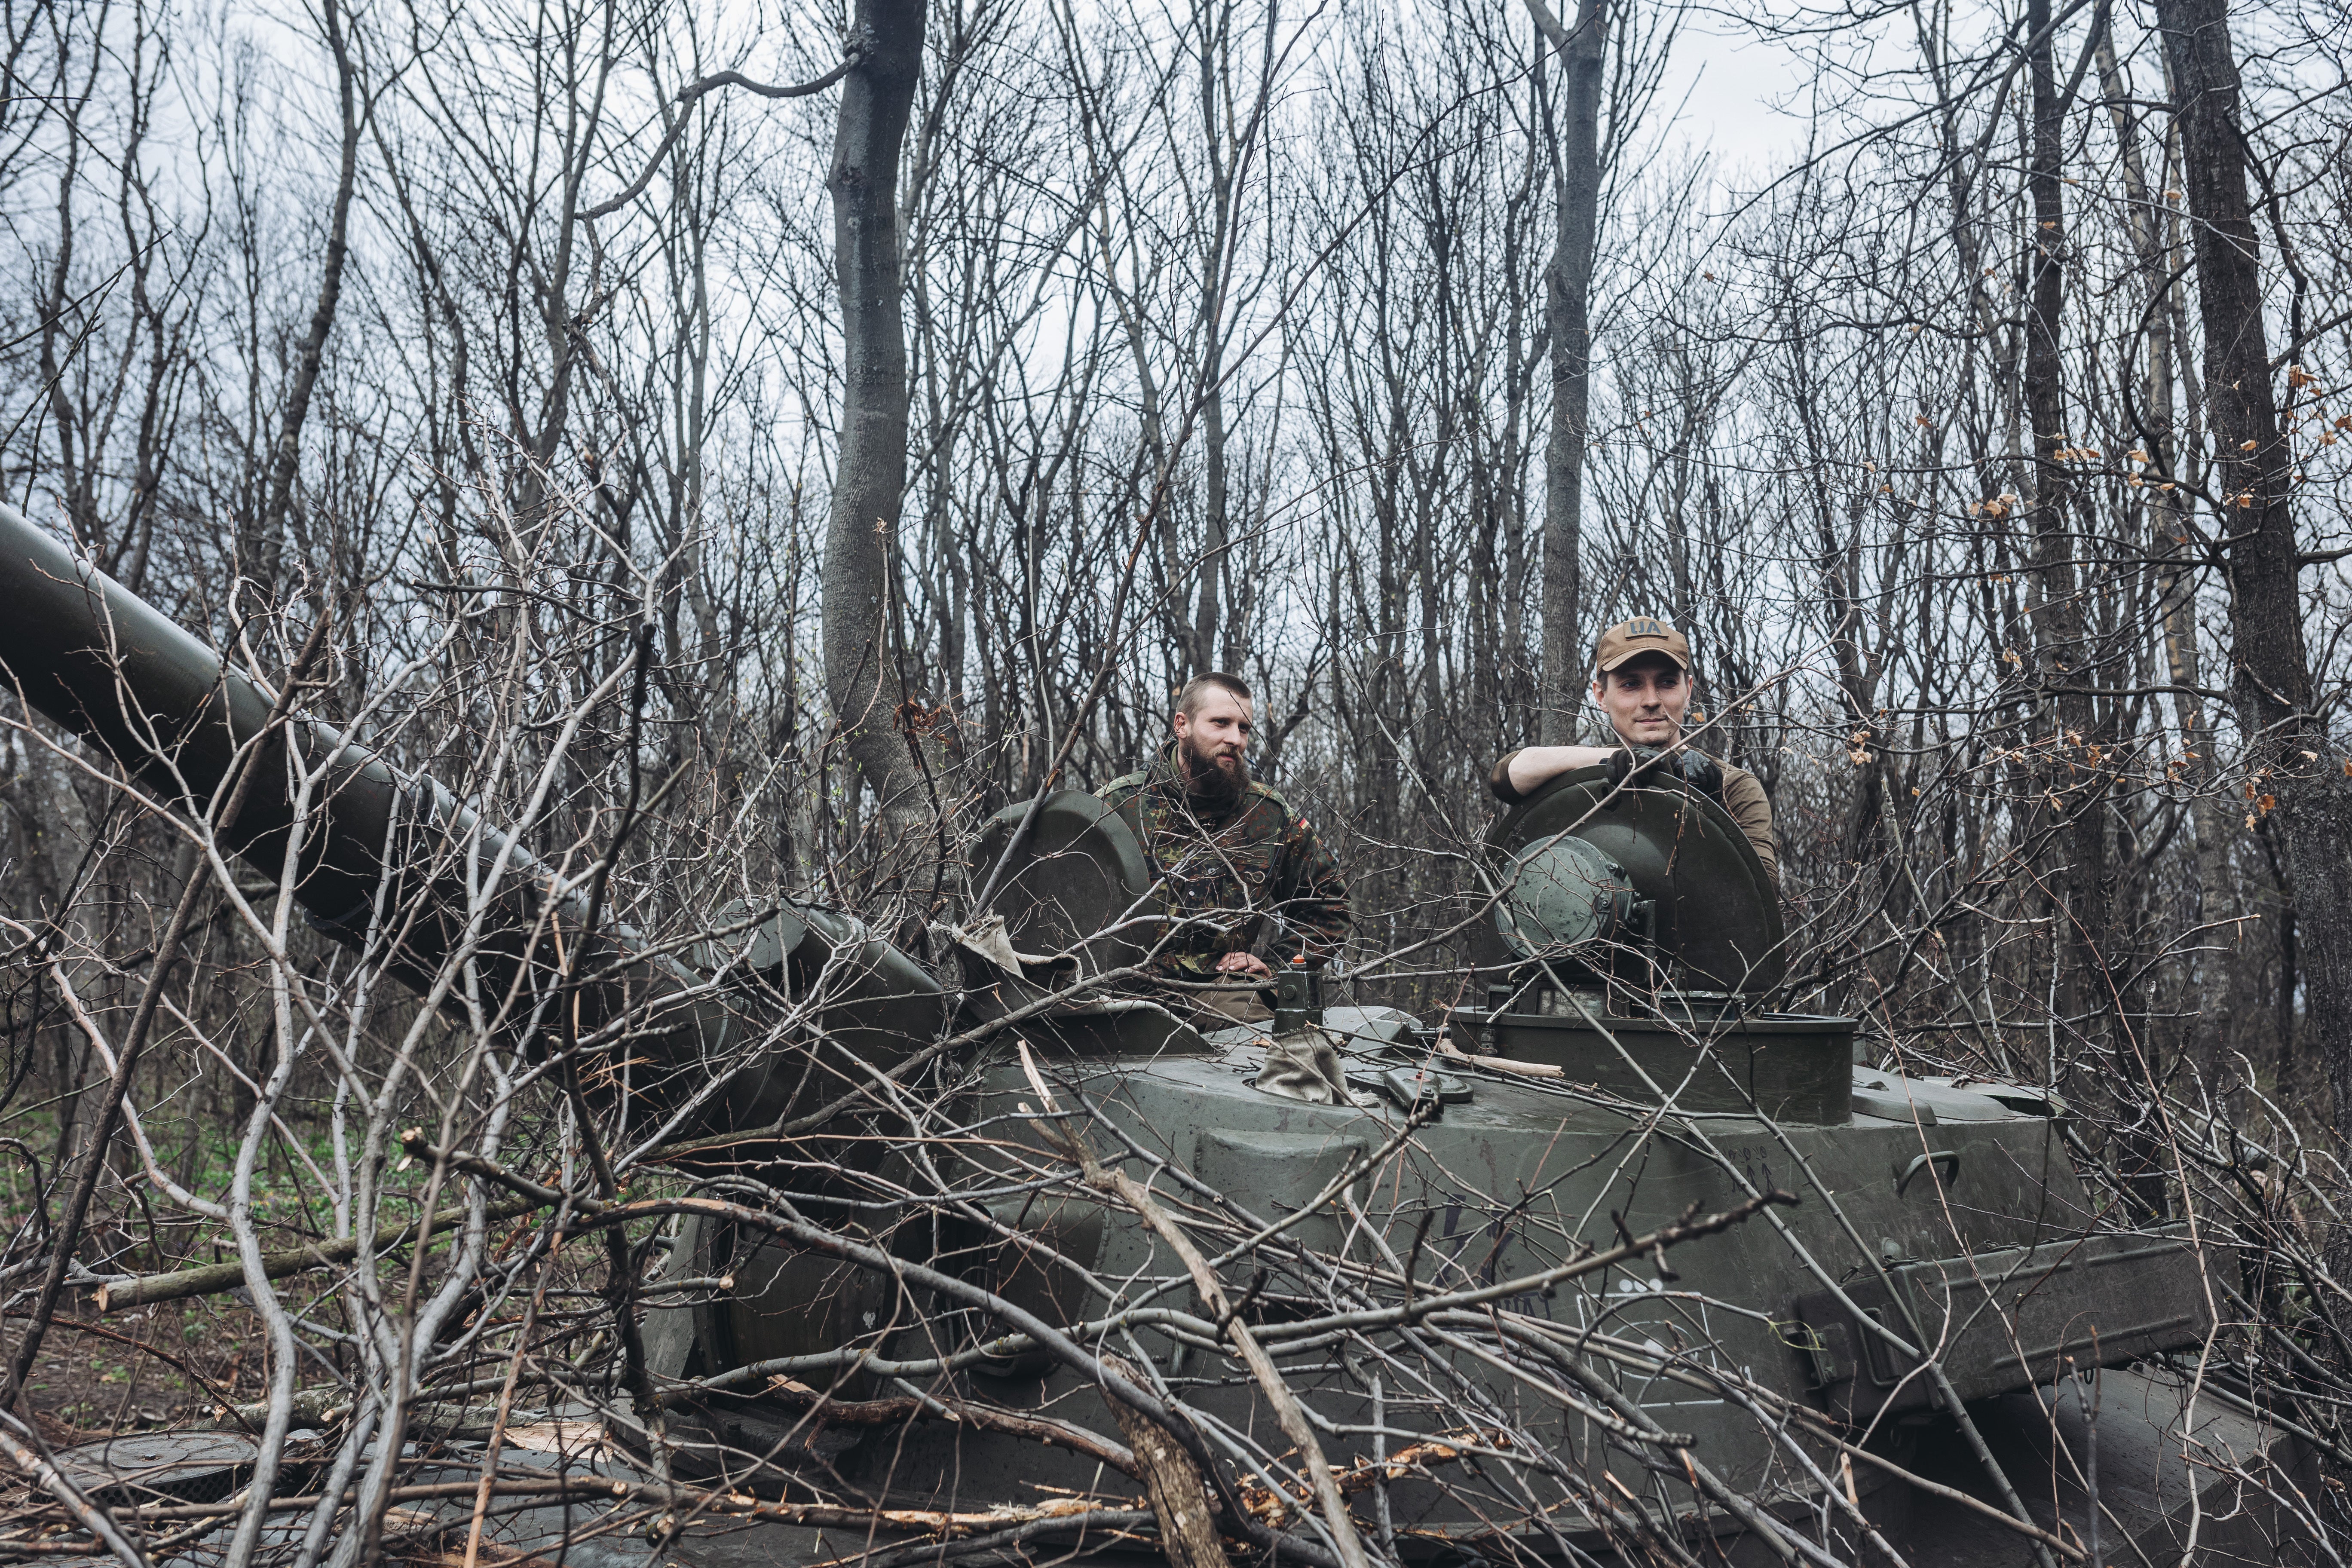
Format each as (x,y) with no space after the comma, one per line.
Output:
(1065,908)
(1633,935)
(1604,877)
(1070,882)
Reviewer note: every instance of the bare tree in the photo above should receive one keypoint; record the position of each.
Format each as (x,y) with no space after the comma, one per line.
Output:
(2250,488)
(717,561)
(1575,151)
(864,672)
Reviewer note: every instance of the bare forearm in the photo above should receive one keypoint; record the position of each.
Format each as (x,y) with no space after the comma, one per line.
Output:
(1533,766)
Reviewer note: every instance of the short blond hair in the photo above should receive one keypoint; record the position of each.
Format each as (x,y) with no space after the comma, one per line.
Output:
(1187,700)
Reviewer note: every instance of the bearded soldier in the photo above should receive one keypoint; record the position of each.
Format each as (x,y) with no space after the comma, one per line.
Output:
(1244,884)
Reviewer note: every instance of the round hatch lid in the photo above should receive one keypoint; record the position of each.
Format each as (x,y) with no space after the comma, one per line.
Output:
(1715,911)
(1080,871)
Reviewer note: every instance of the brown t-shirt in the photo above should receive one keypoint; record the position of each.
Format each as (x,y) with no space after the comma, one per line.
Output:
(1743,797)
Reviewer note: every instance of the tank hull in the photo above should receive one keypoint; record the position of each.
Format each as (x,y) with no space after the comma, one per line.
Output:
(1519,1180)
(1489,1370)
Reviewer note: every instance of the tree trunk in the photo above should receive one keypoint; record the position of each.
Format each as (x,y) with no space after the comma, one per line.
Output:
(1215,263)
(2170,544)
(1568,299)
(869,484)
(2073,763)
(1179,1498)
(2288,755)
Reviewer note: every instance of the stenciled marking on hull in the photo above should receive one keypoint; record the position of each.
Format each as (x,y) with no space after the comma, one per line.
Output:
(1619,1317)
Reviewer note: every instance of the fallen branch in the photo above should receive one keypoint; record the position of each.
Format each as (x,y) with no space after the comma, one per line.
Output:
(1443,1449)
(1286,1412)
(828,1516)
(1400,1466)
(1043,1429)
(119,1295)
(1453,1053)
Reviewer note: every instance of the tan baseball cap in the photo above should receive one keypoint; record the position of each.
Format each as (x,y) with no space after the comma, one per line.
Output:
(1630,640)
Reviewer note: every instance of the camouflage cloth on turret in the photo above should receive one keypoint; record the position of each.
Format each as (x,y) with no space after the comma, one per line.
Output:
(1224,866)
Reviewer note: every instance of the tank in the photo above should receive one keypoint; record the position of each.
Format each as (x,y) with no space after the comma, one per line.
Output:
(1620,1071)
(1466,1188)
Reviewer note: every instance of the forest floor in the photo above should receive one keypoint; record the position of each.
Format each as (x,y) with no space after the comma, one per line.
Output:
(179,1363)
(172,1365)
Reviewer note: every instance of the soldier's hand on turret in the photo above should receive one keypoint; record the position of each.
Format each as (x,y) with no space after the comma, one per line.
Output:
(1700,772)
(1633,764)
(1696,769)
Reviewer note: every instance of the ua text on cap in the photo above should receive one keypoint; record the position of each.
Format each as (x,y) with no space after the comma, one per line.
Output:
(1630,640)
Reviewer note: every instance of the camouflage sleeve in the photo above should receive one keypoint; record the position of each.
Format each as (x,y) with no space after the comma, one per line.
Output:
(1119,794)
(1316,916)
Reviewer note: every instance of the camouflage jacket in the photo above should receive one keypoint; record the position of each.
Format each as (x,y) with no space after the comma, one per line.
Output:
(1225,870)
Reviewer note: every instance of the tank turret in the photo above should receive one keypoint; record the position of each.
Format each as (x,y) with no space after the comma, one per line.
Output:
(1628,924)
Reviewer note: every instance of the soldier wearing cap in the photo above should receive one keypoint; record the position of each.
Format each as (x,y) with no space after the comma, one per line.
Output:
(1641,681)
(1243,882)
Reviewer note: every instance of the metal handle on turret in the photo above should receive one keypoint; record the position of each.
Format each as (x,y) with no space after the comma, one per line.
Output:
(1948,1158)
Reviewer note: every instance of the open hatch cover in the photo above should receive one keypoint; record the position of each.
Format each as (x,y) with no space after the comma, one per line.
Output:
(1715,911)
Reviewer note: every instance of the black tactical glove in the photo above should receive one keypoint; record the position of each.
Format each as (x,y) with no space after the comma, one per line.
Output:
(1699,770)
(1694,768)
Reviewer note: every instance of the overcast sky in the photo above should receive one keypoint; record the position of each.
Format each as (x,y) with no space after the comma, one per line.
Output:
(1740,97)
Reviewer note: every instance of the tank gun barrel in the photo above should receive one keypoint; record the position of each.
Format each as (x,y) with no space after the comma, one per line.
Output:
(103,662)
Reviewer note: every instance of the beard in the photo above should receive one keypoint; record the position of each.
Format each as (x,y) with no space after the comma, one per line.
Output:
(1207,781)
